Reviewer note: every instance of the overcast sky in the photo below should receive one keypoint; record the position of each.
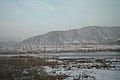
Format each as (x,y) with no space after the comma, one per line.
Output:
(20,19)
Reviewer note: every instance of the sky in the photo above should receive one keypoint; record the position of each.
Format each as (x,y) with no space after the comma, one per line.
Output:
(21,19)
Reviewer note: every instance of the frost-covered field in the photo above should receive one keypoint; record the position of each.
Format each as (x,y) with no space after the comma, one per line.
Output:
(97,74)
(89,74)
(87,67)
(61,66)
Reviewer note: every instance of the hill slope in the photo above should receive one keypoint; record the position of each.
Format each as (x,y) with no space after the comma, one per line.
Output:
(86,34)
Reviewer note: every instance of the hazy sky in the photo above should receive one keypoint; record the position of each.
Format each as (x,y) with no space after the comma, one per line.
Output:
(20,19)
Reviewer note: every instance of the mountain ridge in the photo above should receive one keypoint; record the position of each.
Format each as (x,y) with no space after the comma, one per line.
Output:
(84,34)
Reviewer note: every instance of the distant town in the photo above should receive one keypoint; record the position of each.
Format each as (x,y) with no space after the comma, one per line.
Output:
(58,48)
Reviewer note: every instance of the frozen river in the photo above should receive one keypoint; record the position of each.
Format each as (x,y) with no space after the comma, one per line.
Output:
(69,55)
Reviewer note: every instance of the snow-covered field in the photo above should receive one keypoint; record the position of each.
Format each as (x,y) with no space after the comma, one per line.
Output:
(81,66)
(96,74)
(87,67)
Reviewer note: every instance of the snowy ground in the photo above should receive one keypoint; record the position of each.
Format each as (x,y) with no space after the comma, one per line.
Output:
(71,67)
(97,74)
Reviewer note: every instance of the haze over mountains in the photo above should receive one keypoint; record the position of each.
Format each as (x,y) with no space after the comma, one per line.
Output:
(8,43)
(87,34)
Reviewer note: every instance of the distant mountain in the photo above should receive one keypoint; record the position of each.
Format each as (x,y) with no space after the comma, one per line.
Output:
(7,44)
(86,34)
